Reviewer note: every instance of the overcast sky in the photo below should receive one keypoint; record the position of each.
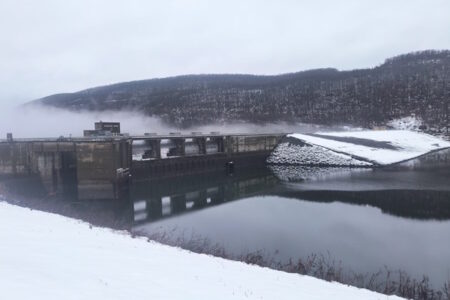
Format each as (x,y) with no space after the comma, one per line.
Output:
(52,46)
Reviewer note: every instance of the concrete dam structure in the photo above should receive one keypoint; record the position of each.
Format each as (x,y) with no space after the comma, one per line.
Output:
(101,164)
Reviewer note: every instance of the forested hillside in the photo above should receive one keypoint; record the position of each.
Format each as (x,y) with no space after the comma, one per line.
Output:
(416,83)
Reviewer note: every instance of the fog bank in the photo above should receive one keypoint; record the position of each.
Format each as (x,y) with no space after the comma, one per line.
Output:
(42,121)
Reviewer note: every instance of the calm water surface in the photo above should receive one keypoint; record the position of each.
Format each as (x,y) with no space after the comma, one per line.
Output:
(366,219)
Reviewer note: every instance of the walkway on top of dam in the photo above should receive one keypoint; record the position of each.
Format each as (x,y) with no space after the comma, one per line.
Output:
(140,137)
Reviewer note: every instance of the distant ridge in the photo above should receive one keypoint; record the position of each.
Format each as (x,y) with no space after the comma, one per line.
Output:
(414,83)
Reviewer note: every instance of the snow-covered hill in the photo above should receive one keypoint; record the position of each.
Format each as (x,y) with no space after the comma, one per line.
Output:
(46,256)
(355,148)
(326,96)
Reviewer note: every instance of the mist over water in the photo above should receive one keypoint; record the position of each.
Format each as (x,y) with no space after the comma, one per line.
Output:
(42,121)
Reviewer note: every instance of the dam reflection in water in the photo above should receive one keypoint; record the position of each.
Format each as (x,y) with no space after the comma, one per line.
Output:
(153,200)
(409,194)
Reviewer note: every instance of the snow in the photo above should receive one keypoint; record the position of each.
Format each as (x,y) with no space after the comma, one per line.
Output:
(378,146)
(138,157)
(46,256)
(292,173)
(286,153)
(406,123)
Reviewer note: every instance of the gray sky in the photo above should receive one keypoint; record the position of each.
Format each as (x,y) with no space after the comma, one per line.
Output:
(52,46)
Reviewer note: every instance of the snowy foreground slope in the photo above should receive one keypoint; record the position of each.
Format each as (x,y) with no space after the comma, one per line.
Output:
(355,148)
(46,256)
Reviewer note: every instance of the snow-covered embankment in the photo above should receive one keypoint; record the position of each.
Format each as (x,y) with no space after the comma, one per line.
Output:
(46,256)
(355,148)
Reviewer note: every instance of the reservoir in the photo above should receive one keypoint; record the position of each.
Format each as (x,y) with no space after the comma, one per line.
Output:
(361,220)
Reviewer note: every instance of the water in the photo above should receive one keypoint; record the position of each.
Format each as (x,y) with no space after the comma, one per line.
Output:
(365,219)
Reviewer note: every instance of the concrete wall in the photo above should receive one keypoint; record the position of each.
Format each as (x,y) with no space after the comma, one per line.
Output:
(243,151)
(54,162)
(239,144)
(14,158)
(101,168)
(93,170)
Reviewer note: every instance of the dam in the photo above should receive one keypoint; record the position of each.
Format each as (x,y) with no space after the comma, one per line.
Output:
(101,164)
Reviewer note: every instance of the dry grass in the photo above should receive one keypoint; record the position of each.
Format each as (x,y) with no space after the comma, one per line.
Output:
(320,266)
